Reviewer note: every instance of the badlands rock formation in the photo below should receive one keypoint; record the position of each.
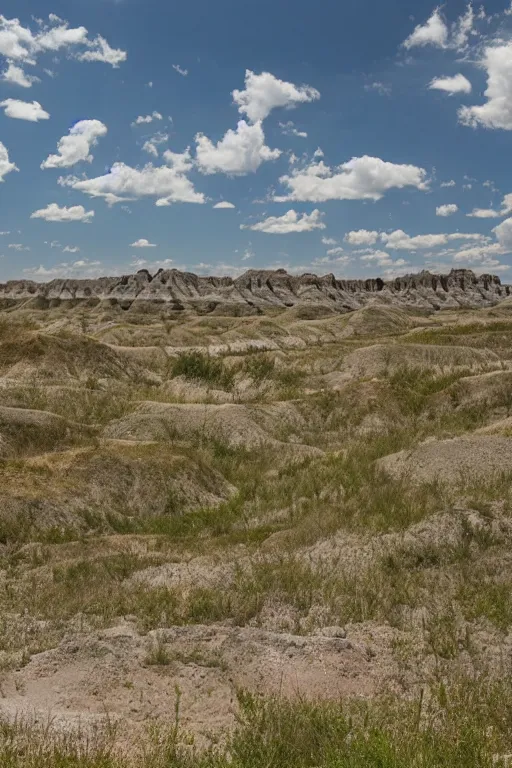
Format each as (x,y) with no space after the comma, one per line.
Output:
(257,290)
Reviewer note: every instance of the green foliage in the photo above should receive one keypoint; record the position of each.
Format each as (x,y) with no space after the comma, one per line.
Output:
(199,367)
(259,367)
(464,724)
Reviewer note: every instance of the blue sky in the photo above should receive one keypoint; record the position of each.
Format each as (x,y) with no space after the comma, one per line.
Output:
(352,138)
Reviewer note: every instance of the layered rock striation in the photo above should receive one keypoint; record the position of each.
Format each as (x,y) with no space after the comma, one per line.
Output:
(258,290)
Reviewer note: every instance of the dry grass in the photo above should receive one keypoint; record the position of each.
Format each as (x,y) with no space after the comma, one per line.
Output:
(319,540)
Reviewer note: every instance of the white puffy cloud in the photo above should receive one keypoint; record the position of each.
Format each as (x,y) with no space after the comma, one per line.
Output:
(71,249)
(143,243)
(497,110)
(143,119)
(479,254)
(332,261)
(20,44)
(361,237)
(16,41)
(383,89)
(291,221)
(61,36)
(462,29)
(100,50)
(16,76)
(18,247)
(490,213)
(75,147)
(24,110)
(361,178)
(5,164)
(53,212)
(180,70)
(483,213)
(438,33)
(289,129)
(506,204)
(181,162)
(337,251)
(152,144)
(151,266)
(447,210)
(168,182)
(264,92)
(399,240)
(237,153)
(81,268)
(329,241)
(467,236)
(433,32)
(456,84)
(224,204)
(450,183)
(503,233)
(383,259)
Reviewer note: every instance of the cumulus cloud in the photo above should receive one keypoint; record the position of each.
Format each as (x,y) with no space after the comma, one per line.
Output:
(497,110)
(81,268)
(335,251)
(361,237)
(480,254)
(383,89)
(181,162)
(152,144)
(490,213)
(438,33)
(450,183)
(264,92)
(100,50)
(151,266)
(20,44)
(361,178)
(483,213)
(383,259)
(143,243)
(180,70)
(291,221)
(75,147)
(16,76)
(456,84)
(224,204)
(53,212)
(399,240)
(144,119)
(289,129)
(237,153)
(71,249)
(5,164)
(168,183)
(24,110)
(503,233)
(329,241)
(433,32)
(447,210)
(333,261)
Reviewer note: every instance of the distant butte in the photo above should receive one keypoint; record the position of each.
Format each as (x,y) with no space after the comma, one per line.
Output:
(257,291)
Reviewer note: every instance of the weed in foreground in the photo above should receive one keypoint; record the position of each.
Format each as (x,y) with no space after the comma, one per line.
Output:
(464,723)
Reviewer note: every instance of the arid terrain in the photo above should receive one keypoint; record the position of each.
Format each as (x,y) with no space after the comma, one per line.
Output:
(262,522)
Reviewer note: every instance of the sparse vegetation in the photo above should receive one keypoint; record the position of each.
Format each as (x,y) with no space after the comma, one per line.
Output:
(199,367)
(162,542)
